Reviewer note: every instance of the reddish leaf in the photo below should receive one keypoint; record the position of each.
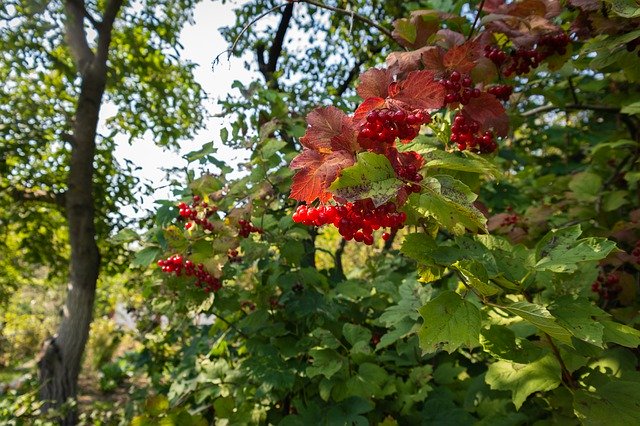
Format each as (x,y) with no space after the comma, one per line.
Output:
(420,91)
(329,129)
(365,108)
(462,58)
(489,112)
(587,5)
(433,59)
(402,160)
(401,63)
(415,31)
(447,38)
(316,172)
(374,83)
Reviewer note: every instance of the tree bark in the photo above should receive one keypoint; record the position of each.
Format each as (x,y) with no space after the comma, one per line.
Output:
(61,360)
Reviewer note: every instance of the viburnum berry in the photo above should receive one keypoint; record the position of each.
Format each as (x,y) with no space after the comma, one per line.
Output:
(466,134)
(177,265)
(233,256)
(607,285)
(636,252)
(197,213)
(247,228)
(501,91)
(459,88)
(385,125)
(355,221)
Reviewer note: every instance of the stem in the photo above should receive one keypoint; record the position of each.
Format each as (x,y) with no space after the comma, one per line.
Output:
(231,325)
(567,379)
(475,20)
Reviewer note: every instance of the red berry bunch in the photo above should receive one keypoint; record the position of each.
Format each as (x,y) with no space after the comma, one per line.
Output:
(410,174)
(636,252)
(553,43)
(466,134)
(385,125)
(177,264)
(233,256)
(501,91)
(607,286)
(197,213)
(459,88)
(246,228)
(355,221)
(495,54)
(511,219)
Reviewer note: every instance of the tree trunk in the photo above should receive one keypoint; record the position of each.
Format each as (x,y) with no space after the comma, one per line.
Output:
(62,355)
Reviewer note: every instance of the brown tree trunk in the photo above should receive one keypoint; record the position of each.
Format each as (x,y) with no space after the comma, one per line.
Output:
(62,355)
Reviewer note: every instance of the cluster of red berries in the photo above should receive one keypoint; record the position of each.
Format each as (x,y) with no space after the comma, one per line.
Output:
(233,256)
(510,219)
(413,178)
(177,264)
(607,286)
(246,228)
(633,45)
(501,91)
(459,89)
(466,134)
(636,252)
(520,61)
(248,304)
(355,221)
(197,213)
(385,125)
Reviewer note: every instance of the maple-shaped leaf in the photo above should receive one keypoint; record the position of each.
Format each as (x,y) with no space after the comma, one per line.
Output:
(374,83)
(315,173)
(402,63)
(414,32)
(488,112)
(330,129)
(433,60)
(420,91)
(447,38)
(462,58)
(365,108)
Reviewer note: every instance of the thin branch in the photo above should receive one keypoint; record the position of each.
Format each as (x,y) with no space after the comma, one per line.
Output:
(338,257)
(475,20)
(104,31)
(94,22)
(353,73)
(567,379)
(231,325)
(389,243)
(570,107)
(574,94)
(354,15)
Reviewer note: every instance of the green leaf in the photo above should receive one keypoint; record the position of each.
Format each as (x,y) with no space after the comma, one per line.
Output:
(476,276)
(371,176)
(503,344)
(614,200)
(466,162)
(206,149)
(146,256)
(125,236)
(579,317)
(625,8)
(561,251)
(406,29)
(541,318)
(615,403)
(450,202)
(631,109)
(524,379)
(356,333)
(586,186)
(156,405)
(325,361)
(449,322)
(206,184)
(621,334)
(271,147)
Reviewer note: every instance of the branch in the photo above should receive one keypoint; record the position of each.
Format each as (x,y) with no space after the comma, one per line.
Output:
(338,257)
(276,48)
(85,12)
(570,107)
(104,30)
(76,36)
(353,73)
(475,20)
(567,379)
(351,13)
(37,195)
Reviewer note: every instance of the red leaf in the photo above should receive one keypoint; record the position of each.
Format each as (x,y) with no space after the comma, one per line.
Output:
(462,58)
(489,112)
(329,129)
(432,59)
(401,63)
(402,160)
(316,172)
(420,91)
(374,83)
(365,108)
(448,38)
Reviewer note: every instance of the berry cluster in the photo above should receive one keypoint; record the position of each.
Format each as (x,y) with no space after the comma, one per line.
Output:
(355,221)
(246,228)
(633,45)
(521,60)
(636,252)
(501,91)
(411,175)
(233,256)
(459,89)
(385,125)
(177,264)
(466,134)
(607,286)
(197,213)
(509,220)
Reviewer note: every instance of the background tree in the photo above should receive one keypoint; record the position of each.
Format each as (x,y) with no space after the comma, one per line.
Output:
(62,61)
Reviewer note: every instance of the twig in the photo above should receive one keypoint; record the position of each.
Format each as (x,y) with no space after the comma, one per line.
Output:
(475,21)
(230,324)
(574,95)
(570,107)
(351,13)
(567,379)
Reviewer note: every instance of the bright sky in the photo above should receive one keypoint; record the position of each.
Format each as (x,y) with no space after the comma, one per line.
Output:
(202,43)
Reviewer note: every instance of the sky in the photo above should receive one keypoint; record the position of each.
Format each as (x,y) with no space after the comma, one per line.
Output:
(202,43)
